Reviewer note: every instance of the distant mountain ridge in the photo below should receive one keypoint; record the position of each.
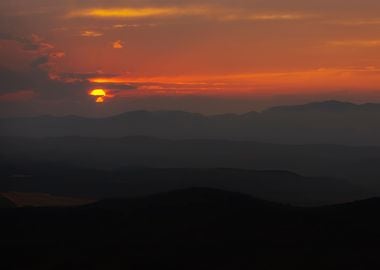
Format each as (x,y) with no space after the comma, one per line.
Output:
(329,122)
(330,105)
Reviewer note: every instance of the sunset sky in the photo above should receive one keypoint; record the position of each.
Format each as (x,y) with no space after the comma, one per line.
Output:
(208,56)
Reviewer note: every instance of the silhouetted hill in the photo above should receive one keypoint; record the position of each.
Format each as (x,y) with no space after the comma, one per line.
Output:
(330,122)
(192,228)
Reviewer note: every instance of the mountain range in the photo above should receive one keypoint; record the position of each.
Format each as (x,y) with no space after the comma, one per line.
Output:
(329,122)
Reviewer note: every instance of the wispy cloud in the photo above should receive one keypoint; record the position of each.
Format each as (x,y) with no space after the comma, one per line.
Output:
(357,22)
(89,33)
(355,43)
(30,43)
(266,16)
(133,25)
(120,25)
(245,83)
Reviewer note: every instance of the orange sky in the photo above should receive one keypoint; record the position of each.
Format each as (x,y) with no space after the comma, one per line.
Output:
(241,49)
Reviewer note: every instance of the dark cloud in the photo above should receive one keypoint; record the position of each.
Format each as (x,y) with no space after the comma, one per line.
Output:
(86,75)
(41,83)
(32,43)
(41,78)
(12,81)
(117,86)
(42,60)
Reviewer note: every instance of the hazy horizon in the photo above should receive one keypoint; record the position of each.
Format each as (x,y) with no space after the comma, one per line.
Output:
(196,105)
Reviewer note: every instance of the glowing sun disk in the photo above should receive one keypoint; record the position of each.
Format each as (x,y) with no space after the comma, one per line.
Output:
(98,93)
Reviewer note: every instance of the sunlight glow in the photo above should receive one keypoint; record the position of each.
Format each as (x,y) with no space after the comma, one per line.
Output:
(206,11)
(99,100)
(136,12)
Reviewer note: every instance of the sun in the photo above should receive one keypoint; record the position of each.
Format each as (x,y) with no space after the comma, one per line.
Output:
(99,94)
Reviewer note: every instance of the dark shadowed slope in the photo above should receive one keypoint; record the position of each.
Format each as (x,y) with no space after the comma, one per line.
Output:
(5,202)
(330,122)
(193,228)
(279,186)
(22,199)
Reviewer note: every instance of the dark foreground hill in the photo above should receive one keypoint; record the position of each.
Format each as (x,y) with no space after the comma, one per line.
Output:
(192,229)
(329,122)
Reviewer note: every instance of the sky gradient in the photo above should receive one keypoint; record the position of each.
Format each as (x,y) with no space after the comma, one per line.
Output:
(205,56)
